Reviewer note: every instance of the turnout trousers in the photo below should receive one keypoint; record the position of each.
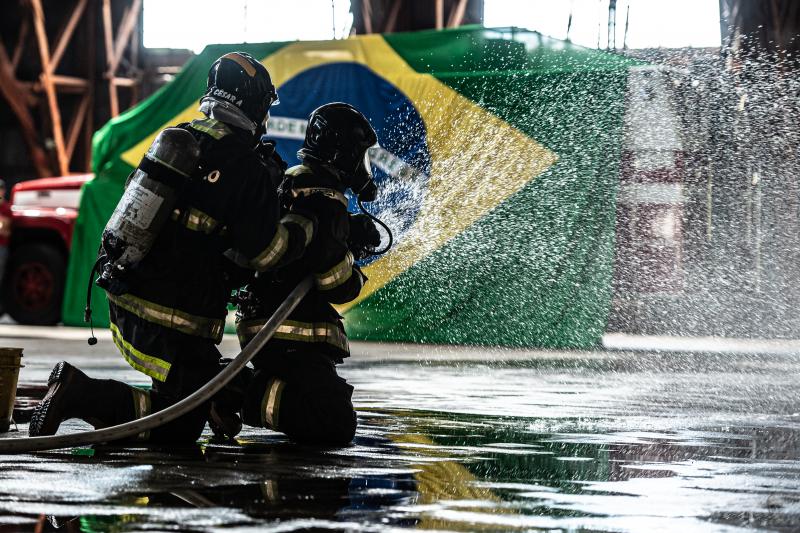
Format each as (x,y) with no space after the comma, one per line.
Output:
(178,364)
(298,392)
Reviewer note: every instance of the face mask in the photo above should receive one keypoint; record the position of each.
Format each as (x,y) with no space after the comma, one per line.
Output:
(369,192)
(362,183)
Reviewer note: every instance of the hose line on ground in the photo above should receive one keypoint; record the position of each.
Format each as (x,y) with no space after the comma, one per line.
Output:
(154,420)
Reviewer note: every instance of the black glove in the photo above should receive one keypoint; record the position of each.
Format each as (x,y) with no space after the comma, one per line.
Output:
(367,192)
(364,236)
(224,418)
(247,303)
(285,194)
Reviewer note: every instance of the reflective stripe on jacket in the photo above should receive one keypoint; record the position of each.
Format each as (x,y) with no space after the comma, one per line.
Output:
(293,330)
(210,328)
(338,274)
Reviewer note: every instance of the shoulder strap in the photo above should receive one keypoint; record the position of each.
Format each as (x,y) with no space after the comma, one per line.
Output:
(211,127)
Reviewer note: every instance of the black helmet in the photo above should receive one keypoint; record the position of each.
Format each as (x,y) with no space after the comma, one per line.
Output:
(237,78)
(337,134)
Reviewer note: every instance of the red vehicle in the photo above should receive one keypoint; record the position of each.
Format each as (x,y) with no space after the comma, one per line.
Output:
(43,214)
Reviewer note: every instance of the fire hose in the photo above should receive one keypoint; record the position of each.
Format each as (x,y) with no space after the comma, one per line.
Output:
(191,402)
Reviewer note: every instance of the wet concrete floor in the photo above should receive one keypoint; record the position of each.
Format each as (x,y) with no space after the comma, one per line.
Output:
(653,439)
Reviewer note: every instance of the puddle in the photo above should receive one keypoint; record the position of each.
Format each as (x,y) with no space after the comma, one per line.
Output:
(612,451)
(421,470)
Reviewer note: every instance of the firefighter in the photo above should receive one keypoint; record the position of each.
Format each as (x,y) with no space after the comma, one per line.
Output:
(295,388)
(167,310)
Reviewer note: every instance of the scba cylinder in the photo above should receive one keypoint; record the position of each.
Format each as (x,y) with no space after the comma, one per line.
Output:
(150,196)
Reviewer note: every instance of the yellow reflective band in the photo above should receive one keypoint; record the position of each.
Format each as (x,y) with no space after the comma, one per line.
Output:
(298,170)
(147,364)
(274,251)
(333,194)
(303,222)
(210,328)
(212,127)
(293,330)
(313,332)
(195,220)
(271,403)
(141,408)
(334,277)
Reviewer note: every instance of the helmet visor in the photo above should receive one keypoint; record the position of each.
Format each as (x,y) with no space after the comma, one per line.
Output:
(363,185)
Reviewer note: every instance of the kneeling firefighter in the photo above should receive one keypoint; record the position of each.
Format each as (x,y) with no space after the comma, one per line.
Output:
(295,388)
(205,191)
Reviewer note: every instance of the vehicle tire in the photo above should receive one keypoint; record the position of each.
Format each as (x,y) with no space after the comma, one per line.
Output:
(34,284)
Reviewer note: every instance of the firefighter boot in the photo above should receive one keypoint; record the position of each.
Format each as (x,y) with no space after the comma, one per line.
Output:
(66,387)
(73,394)
(224,422)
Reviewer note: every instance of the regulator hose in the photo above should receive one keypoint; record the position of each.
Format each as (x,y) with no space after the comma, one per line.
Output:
(154,420)
(381,223)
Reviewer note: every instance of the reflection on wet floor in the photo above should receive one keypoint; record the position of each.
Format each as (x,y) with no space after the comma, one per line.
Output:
(422,470)
(456,468)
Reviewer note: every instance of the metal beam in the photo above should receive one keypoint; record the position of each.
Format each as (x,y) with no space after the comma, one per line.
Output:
(366,15)
(115,47)
(66,35)
(23,95)
(11,89)
(91,39)
(113,102)
(129,20)
(124,82)
(18,49)
(457,14)
(70,81)
(391,20)
(49,86)
(77,122)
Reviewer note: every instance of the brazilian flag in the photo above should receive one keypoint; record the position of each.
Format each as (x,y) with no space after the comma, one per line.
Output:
(497,163)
